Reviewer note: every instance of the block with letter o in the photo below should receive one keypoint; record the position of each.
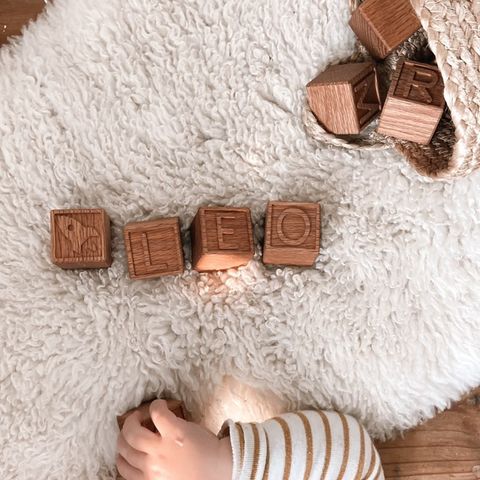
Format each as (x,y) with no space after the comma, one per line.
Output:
(292,234)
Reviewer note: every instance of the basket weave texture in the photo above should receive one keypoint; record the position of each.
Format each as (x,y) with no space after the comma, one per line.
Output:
(451,37)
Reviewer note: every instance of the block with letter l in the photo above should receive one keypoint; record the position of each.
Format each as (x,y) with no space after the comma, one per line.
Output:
(154,248)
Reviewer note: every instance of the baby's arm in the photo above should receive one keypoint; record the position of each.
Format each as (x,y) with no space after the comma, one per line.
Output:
(305,445)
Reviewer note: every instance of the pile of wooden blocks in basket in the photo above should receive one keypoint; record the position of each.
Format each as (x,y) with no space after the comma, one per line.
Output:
(345,98)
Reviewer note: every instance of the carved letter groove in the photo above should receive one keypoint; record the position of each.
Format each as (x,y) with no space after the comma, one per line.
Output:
(292,233)
(222,238)
(154,248)
(414,104)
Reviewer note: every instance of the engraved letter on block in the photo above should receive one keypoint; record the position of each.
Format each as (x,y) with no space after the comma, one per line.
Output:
(154,248)
(222,238)
(292,233)
(345,98)
(414,104)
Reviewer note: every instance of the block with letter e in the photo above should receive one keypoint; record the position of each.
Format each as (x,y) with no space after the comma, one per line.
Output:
(154,248)
(415,102)
(222,238)
(345,98)
(292,234)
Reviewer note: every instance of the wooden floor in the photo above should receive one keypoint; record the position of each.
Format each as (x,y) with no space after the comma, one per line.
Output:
(14,14)
(445,448)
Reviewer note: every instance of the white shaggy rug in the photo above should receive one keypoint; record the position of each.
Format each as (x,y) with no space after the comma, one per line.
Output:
(152,108)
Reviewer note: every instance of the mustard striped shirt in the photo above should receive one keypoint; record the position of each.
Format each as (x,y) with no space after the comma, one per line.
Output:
(307,445)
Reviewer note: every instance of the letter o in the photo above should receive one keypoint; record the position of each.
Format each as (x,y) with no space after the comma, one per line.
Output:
(293,242)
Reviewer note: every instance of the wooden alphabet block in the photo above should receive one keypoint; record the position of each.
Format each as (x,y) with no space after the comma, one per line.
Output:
(80,238)
(414,104)
(382,25)
(154,248)
(345,98)
(292,233)
(222,238)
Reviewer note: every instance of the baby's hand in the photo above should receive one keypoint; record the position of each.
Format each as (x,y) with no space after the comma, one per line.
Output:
(180,450)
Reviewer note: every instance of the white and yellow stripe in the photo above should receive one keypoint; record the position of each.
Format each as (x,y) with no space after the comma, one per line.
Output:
(309,445)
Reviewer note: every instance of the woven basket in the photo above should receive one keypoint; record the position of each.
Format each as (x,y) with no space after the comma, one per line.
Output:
(451,37)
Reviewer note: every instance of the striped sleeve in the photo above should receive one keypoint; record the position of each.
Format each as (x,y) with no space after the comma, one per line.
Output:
(304,445)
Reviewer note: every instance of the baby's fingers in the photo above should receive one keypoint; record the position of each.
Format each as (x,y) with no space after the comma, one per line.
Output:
(127,471)
(164,420)
(137,436)
(133,457)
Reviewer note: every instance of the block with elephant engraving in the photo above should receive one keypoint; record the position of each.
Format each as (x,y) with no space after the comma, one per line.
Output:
(80,238)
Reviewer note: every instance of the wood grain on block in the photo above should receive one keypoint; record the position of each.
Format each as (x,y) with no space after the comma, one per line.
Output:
(345,98)
(222,238)
(292,233)
(414,104)
(154,248)
(382,25)
(444,448)
(80,238)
